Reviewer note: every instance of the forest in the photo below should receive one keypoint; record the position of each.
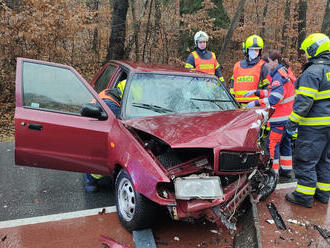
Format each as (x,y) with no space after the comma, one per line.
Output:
(87,33)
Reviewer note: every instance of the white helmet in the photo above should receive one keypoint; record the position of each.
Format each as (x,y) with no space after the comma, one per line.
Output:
(200,36)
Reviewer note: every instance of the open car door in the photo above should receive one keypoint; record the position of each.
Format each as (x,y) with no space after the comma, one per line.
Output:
(50,131)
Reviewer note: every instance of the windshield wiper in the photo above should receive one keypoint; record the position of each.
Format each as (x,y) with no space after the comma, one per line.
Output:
(210,100)
(152,107)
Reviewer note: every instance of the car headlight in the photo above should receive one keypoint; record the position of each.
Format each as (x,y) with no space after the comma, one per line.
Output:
(187,188)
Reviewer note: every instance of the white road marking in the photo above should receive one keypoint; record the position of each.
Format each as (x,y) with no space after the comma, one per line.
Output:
(286,185)
(55,217)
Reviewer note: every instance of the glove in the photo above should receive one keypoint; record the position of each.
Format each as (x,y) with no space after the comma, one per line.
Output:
(250,104)
(291,133)
(249,93)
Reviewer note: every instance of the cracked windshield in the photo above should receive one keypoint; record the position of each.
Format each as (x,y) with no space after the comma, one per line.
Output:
(158,94)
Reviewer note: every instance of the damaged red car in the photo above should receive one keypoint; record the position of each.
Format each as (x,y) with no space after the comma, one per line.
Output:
(181,142)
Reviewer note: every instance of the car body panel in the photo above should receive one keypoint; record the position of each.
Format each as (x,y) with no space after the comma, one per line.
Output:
(228,129)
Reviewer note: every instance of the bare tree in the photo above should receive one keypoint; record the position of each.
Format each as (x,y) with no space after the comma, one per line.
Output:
(116,47)
(264,14)
(326,20)
(231,29)
(302,9)
(93,5)
(285,24)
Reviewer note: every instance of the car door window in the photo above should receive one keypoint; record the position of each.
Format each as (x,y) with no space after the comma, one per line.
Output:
(53,88)
(104,79)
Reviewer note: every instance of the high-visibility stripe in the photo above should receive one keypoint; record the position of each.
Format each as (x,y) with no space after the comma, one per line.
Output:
(289,99)
(310,121)
(286,162)
(305,190)
(322,95)
(264,82)
(276,94)
(241,92)
(221,79)
(285,158)
(232,91)
(276,164)
(246,98)
(265,101)
(294,117)
(189,66)
(206,66)
(323,186)
(96,176)
(276,119)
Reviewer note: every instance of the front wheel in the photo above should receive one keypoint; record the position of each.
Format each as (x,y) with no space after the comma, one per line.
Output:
(134,210)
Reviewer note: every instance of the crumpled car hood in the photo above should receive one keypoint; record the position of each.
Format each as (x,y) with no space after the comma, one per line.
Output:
(229,129)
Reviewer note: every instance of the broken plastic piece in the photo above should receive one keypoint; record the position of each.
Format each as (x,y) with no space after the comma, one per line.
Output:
(276,216)
(324,232)
(270,221)
(296,222)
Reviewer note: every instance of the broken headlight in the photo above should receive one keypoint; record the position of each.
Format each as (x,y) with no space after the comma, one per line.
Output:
(193,187)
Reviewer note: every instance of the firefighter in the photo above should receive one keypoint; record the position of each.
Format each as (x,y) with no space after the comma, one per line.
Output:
(112,97)
(249,73)
(201,59)
(280,95)
(311,115)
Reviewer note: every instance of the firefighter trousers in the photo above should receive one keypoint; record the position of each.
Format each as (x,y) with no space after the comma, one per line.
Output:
(312,163)
(279,149)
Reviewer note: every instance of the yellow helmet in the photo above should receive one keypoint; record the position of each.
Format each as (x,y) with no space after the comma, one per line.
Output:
(253,41)
(315,44)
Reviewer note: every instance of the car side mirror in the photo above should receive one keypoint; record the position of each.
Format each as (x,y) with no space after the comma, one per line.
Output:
(93,110)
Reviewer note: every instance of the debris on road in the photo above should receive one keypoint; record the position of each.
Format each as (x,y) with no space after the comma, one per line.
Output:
(276,216)
(102,212)
(176,238)
(296,222)
(110,243)
(144,239)
(324,232)
(270,221)
(3,238)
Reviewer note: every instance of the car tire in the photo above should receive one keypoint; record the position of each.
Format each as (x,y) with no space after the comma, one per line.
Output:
(135,211)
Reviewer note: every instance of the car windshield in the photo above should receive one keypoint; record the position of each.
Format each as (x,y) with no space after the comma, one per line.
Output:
(158,94)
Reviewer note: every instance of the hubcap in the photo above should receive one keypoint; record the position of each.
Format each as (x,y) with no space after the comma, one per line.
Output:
(126,199)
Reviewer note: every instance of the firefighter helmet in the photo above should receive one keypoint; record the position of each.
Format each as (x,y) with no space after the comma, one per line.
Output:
(315,44)
(253,41)
(200,36)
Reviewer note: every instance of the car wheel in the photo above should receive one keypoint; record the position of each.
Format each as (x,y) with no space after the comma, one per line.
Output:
(134,210)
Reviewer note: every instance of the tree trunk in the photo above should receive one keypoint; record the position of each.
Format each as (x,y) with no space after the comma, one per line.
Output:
(116,47)
(285,25)
(302,9)
(326,20)
(264,14)
(93,5)
(231,29)
(158,16)
(146,40)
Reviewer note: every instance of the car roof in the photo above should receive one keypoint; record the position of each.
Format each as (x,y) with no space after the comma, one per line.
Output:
(162,68)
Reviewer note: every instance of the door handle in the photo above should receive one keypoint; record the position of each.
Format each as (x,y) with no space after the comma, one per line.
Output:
(35,127)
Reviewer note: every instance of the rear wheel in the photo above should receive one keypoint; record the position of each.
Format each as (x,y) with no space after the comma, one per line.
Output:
(134,210)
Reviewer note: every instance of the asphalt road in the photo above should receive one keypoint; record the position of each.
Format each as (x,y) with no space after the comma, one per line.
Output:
(29,192)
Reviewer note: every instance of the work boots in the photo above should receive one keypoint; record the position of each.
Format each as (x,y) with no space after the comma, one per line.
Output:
(90,183)
(291,197)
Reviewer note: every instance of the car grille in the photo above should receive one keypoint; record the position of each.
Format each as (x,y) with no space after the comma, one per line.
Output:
(237,161)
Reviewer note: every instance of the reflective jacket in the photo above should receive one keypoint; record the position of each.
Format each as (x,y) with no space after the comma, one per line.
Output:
(103,94)
(204,61)
(246,79)
(312,103)
(280,95)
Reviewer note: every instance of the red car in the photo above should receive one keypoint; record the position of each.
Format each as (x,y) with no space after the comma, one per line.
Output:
(181,140)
